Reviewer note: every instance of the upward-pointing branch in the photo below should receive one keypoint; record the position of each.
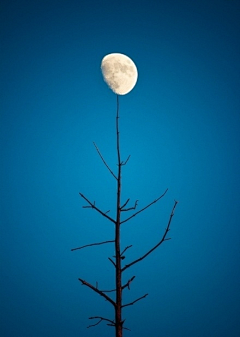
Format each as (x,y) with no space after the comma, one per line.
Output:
(138,299)
(159,243)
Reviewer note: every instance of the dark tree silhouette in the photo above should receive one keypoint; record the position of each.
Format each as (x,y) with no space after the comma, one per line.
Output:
(117,304)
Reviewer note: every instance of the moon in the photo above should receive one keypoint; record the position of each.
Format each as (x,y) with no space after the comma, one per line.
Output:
(119,72)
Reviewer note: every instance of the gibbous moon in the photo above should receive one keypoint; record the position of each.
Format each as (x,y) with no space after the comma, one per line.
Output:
(119,72)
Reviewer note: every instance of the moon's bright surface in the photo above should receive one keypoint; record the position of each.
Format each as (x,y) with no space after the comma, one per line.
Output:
(119,72)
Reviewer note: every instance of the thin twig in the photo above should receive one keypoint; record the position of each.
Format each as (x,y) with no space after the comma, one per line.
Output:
(100,320)
(104,161)
(128,283)
(123,326)
(97,291)
(125,162)
(130,208)
(96,208)
(125,249)
(112,262)
(90,326)
(138,299)
(92,244)
(108,291)
(124,204)
(141,210)
(159,243)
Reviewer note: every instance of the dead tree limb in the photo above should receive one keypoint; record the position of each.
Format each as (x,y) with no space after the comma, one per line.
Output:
(128,283)
(126,249)
(143,209)
(96,208)
(125,162)
(108,291)
(125,204)
(112,262)
(97,291)
(104,161)
(159,243)
(138,299)
(100,320)
(92,244)
(130,208)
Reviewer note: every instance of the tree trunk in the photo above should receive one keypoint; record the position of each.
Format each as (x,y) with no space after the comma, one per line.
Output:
(118,308)
(117,304)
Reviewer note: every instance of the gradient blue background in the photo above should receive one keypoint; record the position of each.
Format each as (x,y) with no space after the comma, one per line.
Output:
(181,126)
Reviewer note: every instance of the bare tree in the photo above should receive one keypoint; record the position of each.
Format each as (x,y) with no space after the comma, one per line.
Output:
(117,304)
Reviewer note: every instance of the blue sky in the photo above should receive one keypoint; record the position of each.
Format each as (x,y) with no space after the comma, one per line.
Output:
(180,124)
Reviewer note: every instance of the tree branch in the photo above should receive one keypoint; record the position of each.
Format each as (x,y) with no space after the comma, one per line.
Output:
(92,244)
(126,328)
(138,299)
(104,161)
(112,262)
(130,208)
(125,162)
(153,202)
(101,319)
(125,249)
(128,283)
(108,291)
(159,243)
(97,291)
(124,204)
(96,208)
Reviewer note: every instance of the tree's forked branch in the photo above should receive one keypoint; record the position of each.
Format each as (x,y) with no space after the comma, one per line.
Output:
(128,283)
(100,320)
(141,210)
(96,208)
(159,243)
(130,208)
(104,161)
(138,299)
(92,244)
(97,291)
